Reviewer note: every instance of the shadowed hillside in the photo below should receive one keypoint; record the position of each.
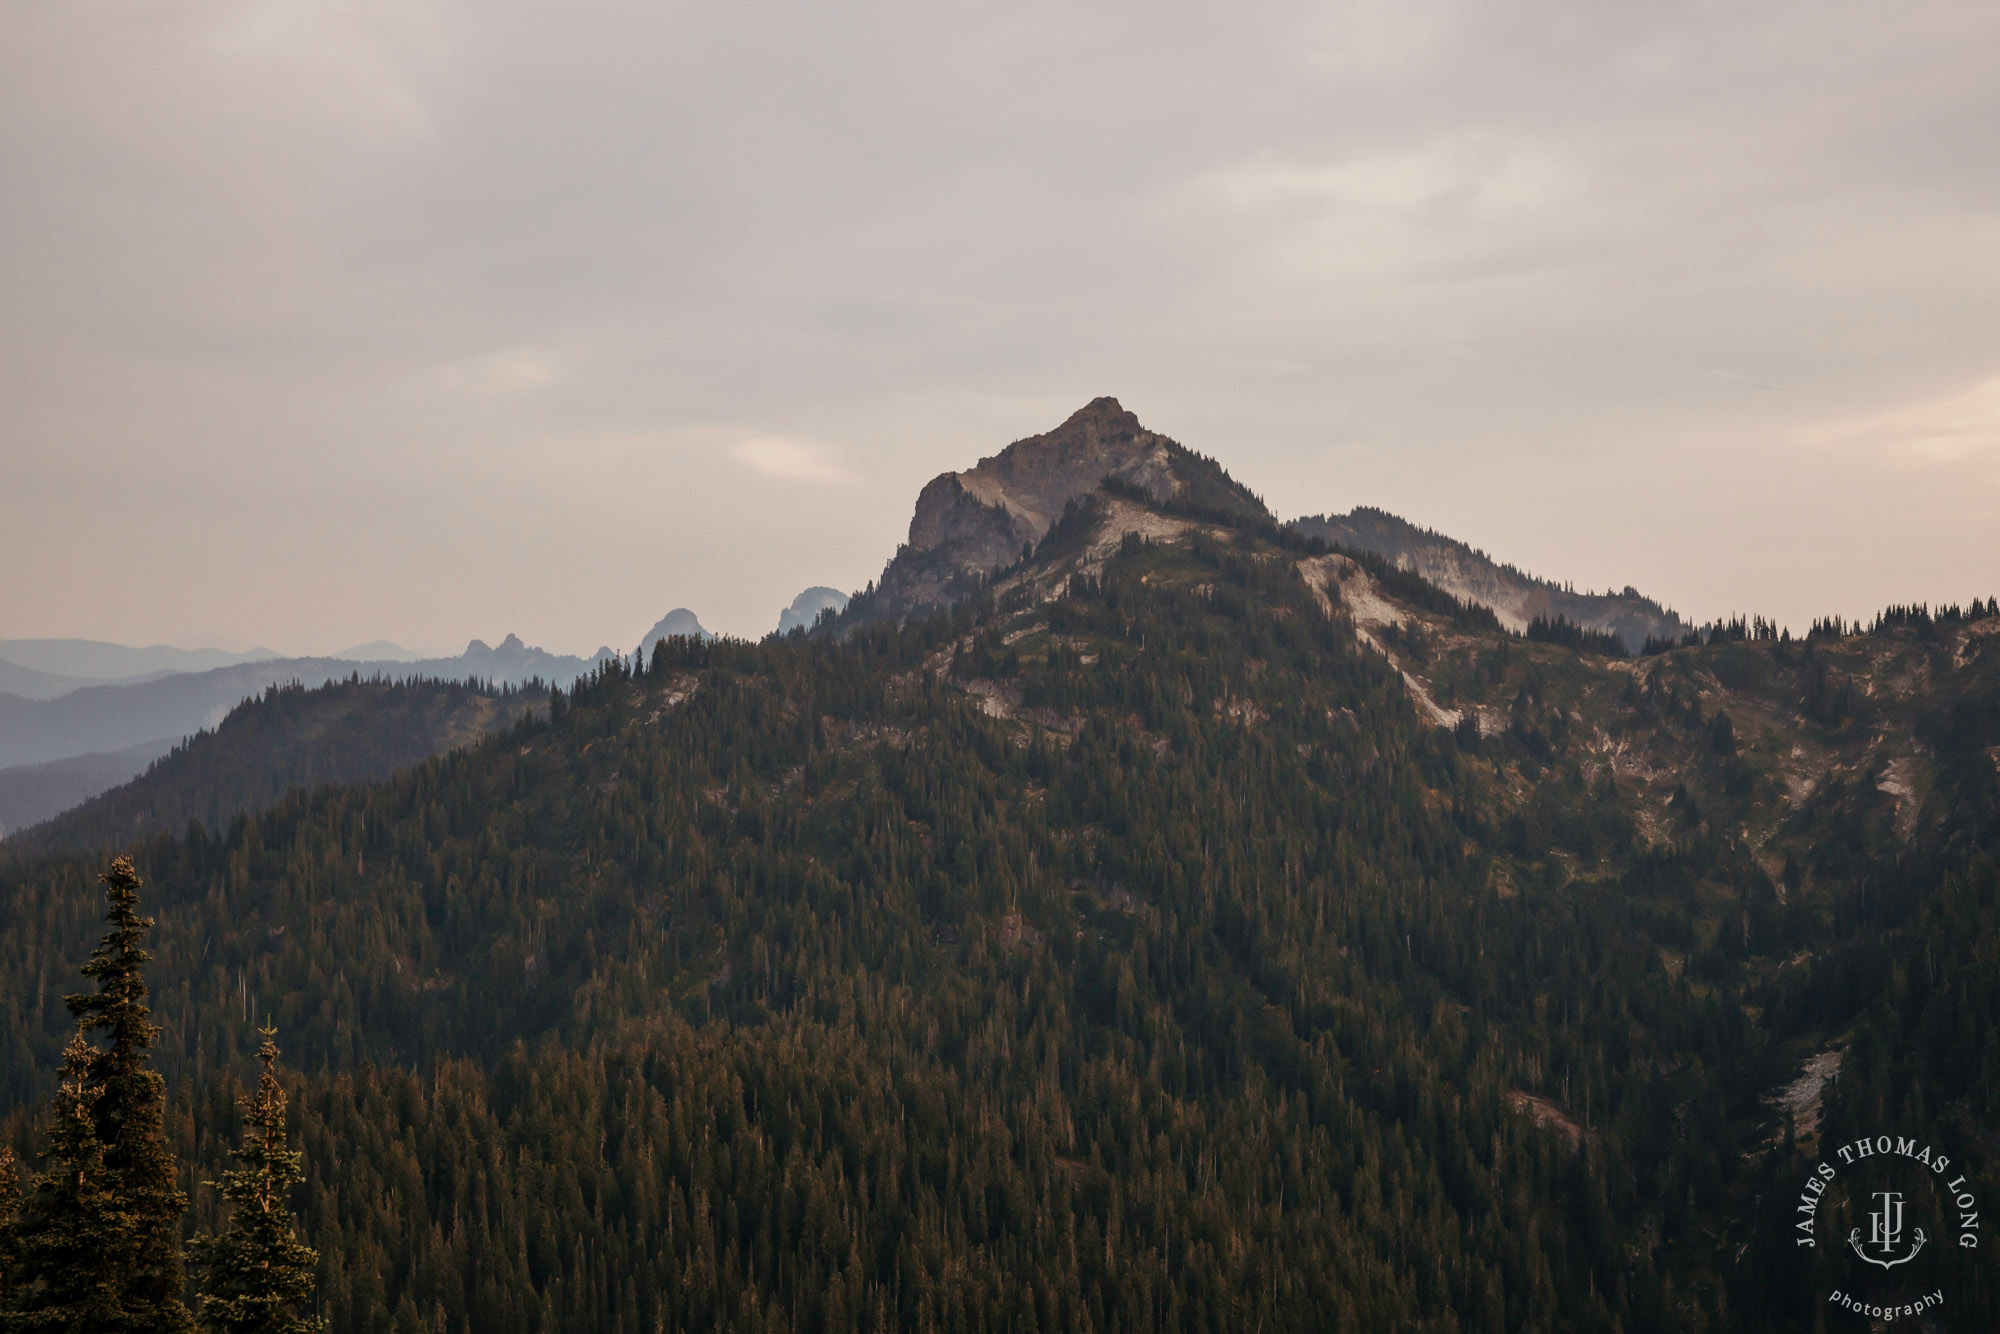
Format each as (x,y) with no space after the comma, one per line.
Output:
(288,737)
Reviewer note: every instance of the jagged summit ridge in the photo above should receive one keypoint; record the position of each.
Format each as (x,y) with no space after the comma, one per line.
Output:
(969,524)
(1031,480)
(1515,597)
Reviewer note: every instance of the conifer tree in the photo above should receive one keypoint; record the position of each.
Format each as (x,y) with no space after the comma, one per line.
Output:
(128,1107)
(257,1274)
(63,1242)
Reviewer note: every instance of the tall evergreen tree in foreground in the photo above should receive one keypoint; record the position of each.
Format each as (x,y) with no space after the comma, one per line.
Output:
(127,1105)
(71,1229)
(258,1274)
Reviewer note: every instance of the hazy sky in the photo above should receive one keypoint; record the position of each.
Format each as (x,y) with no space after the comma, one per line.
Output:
(323,322)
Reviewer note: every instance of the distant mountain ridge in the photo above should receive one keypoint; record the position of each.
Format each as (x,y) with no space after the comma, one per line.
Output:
(378,650)
(32,793)
(1515,597)
(31,684)
(287,737)
(108,718)
(511,663)
(96,660)
(64,747)
(807,606)
(678,622)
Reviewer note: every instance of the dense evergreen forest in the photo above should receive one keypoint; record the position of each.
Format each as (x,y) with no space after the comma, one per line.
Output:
(1212,935)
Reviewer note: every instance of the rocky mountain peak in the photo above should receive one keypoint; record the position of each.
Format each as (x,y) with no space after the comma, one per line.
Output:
(1026,485)
(969,524)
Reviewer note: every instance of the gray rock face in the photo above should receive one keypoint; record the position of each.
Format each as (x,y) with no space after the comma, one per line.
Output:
(1018,493)
(969,524)
(1516,598)
(807,606)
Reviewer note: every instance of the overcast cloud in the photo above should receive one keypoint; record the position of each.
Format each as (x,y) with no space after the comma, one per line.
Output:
(324,322)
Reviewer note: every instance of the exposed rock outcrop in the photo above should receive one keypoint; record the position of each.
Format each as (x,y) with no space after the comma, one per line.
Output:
(970,524)
(1516,598)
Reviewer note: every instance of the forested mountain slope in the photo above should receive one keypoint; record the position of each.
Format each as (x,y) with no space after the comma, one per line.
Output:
(289,737)
(1194,928)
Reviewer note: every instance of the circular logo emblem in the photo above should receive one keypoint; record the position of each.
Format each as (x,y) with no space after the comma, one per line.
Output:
(1888,1215)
